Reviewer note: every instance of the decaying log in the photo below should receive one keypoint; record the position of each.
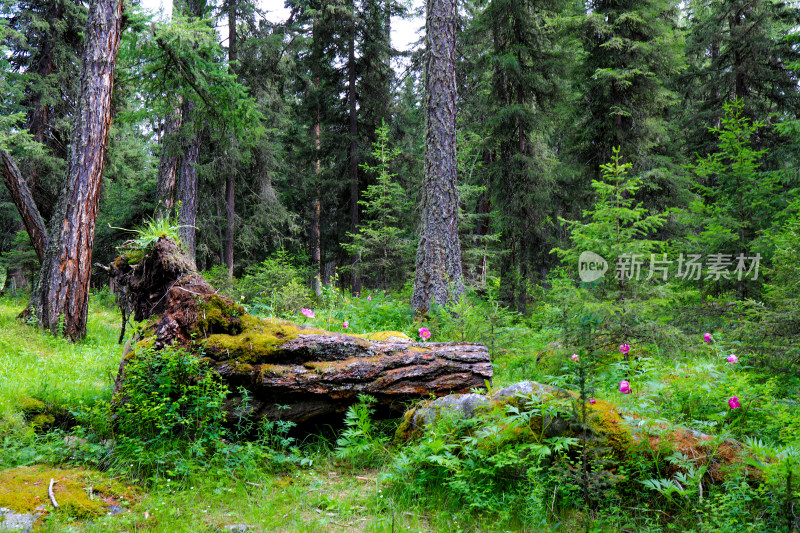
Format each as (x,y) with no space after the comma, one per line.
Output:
(278,363)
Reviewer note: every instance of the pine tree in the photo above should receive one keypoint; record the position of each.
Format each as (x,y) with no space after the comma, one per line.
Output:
(525,71)
(633,50)
(738,200)
(744,50)
(382,246)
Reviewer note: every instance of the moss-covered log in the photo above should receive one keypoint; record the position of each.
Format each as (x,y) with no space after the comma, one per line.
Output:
(278,363)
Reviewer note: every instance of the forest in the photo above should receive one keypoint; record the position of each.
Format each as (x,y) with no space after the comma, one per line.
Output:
(536,270)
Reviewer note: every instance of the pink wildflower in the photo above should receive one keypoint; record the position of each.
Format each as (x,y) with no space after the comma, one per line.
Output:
(575,357)
(732,359)
(307,312)
(424,333)
(345,325)
(624,348)
(707,337)
(592,401)
(624,387)
(733,402)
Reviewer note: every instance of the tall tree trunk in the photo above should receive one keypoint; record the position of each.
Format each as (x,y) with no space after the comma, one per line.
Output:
(438,277)
(23,199)
(187,182)
(351,100)
(60,300)
(230,179)
(738,19)
(316,254)
(168,162)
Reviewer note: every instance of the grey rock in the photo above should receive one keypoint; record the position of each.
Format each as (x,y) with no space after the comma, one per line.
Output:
(462,405)
(16,522)
(238,528)
(526,388)
(114,510)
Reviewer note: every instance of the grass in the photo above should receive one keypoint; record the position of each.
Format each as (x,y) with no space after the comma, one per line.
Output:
(60,374)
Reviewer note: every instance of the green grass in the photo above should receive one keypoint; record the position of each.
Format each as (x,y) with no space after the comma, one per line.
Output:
(53,370)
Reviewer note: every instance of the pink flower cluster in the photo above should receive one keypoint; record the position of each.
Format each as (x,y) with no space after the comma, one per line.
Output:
(308,313)
(624,387)
(575,357)
(733,402)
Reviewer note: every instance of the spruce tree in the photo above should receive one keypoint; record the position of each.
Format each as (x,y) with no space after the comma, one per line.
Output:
(633,49)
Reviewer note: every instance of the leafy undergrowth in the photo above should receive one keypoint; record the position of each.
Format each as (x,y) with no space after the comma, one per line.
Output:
(484,474)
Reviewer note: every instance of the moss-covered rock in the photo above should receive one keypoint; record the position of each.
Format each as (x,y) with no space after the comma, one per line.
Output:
(30,406)
(553,415)
(80,493)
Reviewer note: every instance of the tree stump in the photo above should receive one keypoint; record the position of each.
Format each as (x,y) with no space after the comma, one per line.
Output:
(289,371)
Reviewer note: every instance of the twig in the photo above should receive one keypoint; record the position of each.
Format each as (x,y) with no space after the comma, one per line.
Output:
(254,484)
(50,492)
(190,292)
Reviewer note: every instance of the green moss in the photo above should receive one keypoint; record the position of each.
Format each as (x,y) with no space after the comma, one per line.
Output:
(23,489)
(605,420)
(240,368)
(144,344)
(256,343)
(272,370)
(133,257)
(406,430)
(42,420)
(382,335)
(30,405)
(216,315)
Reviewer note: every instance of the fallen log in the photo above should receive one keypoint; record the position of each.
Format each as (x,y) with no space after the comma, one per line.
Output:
(289,371)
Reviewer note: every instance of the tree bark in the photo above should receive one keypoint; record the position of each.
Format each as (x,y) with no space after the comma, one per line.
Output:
(351,100)
(23,199)
(168,162)
(187,182)
(438,276)
(315,372)
(60,299)
(316,254)
(187,166)
(230,179)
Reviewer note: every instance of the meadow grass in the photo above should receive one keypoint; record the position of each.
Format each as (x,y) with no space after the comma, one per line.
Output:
(50,369)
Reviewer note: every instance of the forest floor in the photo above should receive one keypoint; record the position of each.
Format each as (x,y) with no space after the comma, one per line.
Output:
(324,496)
(321,492)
